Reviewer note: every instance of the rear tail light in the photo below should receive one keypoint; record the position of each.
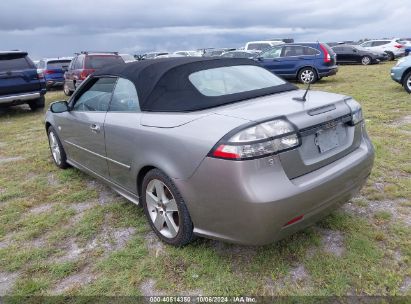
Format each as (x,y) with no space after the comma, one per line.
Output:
(356,112)
(398,46)
(48,72)
(327,55)
(259,140)
(84,74)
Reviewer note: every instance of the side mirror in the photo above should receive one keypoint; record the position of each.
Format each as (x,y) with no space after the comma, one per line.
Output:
(59,106)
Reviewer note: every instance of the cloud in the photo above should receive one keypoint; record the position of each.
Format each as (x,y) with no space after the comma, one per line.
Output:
(52,28)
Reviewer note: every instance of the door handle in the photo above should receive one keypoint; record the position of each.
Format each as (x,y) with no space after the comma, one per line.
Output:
(95,128)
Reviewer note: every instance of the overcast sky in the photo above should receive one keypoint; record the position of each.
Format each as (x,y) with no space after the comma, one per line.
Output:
(48,28)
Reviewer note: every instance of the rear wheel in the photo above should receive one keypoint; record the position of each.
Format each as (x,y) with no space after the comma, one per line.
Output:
(56,149)
(390,56)
(366,60)
(37,103)
(67,90)
(407,82)
(307,75)
(165,209)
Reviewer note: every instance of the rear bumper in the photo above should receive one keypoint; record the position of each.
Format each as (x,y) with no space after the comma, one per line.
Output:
(19,98)
(329,72)
(250,202)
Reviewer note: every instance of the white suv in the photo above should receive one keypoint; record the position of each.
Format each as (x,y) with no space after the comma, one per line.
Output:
(261,45)
(394,48)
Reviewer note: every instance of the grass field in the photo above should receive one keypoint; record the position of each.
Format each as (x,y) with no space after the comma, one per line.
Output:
(61,232)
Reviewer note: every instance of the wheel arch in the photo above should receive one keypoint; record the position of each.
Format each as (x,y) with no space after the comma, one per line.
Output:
(140,177)
(405,73)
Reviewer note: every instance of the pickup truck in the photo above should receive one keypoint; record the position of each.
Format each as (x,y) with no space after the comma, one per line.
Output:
(19,81)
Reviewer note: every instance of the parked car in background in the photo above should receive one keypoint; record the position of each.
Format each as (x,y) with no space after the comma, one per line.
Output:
(240,54)
(401,73)
(407,45)
(53,70)
(261,45)
(85,63)
(153,55)
(357,54)
(128,58)
(216,52)
(220,148)
(19,81)
(189,53)
(306,62)
(393,47)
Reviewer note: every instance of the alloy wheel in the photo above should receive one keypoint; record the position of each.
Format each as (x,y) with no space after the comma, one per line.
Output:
(365,60)
(307,76)
(162,208)
(55,148)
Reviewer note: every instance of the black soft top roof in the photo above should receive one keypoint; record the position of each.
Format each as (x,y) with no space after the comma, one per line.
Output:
(163,85)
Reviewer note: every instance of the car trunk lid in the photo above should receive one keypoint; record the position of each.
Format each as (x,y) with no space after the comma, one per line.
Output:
(322,122)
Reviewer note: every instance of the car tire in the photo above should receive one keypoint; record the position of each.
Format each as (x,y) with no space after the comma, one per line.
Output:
(406,82)
(37,103)
(165,209)
(366,60)
(307,73)
(390,56)
(67,90)
(56,148)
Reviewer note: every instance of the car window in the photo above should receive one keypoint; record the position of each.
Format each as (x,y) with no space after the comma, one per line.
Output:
(96,95)
(57,64)
(97,62)
(366,44)
(258,46)
(14,62)
(272,53)
(125,97)
(310,51)
(233,79)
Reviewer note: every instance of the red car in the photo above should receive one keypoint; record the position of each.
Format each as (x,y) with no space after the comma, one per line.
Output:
(85,63)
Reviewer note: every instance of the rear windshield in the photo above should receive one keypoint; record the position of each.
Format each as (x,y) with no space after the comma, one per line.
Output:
(233,79)
(14,62)
(97,62)
(58,64)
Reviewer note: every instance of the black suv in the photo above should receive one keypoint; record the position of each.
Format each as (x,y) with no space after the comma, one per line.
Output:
(19,81)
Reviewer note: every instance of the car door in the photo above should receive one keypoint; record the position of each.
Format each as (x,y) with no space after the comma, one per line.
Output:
(352,54)
(121,132)
(271,59)
(82,128)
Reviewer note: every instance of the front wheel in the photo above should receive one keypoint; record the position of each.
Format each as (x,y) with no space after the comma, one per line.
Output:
(407,82)
(56,149)
(390,56)
(366,60)
(307,75)
(165,209)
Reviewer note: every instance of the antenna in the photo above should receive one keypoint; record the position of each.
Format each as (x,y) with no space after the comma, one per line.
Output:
(303,99)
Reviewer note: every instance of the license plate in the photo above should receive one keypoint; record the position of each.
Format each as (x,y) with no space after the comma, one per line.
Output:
(327,139)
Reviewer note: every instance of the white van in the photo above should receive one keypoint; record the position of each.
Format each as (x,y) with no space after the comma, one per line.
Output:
(261,45)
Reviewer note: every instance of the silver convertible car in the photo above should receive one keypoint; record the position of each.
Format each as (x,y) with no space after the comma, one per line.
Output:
(219,148)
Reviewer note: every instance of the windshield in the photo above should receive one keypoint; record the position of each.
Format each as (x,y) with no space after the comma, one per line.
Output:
(233,79)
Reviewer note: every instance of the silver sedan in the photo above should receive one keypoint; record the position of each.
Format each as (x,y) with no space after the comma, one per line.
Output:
(219,148)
